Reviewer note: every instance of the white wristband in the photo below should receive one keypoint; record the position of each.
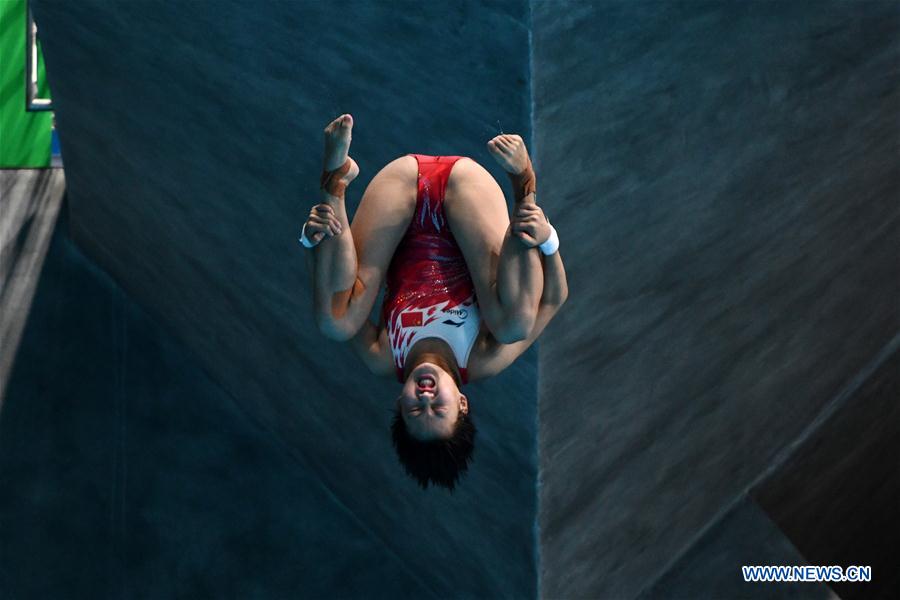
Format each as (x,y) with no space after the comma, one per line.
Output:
(305,240)
(552,243)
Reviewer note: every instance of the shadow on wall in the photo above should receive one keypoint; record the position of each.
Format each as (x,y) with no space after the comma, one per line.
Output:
(31,204)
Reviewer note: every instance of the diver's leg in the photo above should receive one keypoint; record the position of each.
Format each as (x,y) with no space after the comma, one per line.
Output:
(507,274)
(510,153)
(334,256)
(381,220)
(348,268)
(520,274)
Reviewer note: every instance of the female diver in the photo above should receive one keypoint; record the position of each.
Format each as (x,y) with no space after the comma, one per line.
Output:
(468,290)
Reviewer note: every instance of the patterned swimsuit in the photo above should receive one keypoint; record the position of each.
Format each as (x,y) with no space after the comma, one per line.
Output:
(429,290)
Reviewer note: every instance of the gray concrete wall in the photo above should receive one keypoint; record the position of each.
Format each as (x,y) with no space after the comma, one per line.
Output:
(724,180)
(30,201)
(127,472)
(838,495)
(192,138)
(723,177)
(711,567)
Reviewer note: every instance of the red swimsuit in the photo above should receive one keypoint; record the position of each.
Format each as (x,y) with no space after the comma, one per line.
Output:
(429,290)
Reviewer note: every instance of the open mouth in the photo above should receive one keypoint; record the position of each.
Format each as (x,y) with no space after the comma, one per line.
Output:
(425,382)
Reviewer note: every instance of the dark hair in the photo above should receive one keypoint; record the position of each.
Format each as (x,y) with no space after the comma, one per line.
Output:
(440,461)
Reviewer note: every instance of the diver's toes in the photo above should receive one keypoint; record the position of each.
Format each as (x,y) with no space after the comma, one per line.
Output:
(339,125)
(337,141)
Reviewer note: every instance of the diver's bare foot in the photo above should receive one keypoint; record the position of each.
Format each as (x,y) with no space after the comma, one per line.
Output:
(337,144)
(510,152)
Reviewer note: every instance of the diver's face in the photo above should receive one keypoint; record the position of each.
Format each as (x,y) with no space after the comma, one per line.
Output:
(430,403)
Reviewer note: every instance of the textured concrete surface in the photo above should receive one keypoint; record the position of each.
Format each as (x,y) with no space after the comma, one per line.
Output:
(192,140)
(831,497)
(838,497)
(712,567)
(126,472)
(724,178)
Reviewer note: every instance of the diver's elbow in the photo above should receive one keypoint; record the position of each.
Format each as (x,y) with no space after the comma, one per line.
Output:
(516,328)
(557,299)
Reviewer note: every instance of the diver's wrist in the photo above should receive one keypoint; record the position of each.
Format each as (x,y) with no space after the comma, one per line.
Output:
(551,246)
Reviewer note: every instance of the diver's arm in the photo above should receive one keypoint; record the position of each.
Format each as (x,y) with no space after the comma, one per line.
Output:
(556,287)
(491,357)
(371,345)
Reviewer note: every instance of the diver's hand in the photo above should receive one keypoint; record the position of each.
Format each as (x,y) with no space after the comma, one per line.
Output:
(530,225)
(321,222)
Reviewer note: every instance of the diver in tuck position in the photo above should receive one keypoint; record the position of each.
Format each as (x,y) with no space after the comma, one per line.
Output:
(468,291)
